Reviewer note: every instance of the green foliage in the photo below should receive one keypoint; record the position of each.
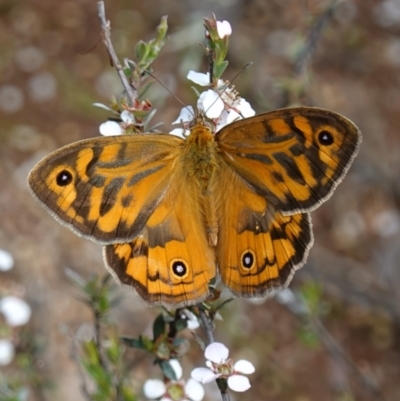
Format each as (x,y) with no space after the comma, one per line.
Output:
(102,358)
(216,48)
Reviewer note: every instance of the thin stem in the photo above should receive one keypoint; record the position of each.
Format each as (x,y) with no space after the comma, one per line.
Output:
(207,324)
(335,349)
(313,37)
(75,358)
(97,339)
(208,327)
(106,36)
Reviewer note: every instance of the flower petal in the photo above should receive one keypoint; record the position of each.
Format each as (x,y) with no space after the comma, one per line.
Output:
(233,116)
(204,375)
(7,352)
(224,29)
(211,103)
(110,128)
(103,106)
(199,78)
(177,368)
(238,383)
(6,261)
(154,388)
(243,366)
(15,310)
(194,390)
(216,352)
(245,108)
(127,117)
(191,319)
(185,115)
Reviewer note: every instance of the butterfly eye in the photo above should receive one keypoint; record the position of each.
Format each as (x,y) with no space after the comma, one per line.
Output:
(248,259)
(325,138)
(64,178)
(179,268)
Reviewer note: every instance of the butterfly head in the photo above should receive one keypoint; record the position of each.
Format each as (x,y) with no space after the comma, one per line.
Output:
(201,120)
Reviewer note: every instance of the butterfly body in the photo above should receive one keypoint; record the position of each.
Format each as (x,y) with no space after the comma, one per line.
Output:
(174,213)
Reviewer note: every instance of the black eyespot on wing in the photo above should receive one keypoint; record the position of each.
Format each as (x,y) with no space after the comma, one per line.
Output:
(64,178)
(325,138)
(179,268)
(248,259)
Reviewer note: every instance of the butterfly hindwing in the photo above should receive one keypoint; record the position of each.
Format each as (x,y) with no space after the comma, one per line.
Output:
(170,262)
(259,249)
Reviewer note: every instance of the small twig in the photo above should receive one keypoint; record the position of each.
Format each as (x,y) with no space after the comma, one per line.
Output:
(97,339)
(106,36)
(304,55)
(334,348)
(75,358)
(313,37)
(207,324)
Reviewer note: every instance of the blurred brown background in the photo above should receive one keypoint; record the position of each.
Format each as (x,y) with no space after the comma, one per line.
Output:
(53,66)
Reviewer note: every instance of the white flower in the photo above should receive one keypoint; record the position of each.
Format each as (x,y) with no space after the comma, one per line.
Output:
(7,352)
(110,128)
(185,116)
(6,261)
(191,319)
(211,103)
(176,390)
(127,117)
(199,78)
(219,366)
(224,29)
(15,310)
(221,104)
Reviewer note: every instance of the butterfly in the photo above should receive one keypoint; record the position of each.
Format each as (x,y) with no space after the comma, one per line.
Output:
(173,213)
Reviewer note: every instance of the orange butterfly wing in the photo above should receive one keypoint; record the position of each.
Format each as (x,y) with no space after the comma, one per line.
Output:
(170,262)
(259,248)
(106,188)
(276,167)
(293,157)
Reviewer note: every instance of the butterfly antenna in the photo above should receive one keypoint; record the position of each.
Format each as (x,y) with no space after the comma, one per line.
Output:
(169,91)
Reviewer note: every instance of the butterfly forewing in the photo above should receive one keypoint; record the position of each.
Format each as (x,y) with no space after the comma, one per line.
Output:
(106,188)
(293,157)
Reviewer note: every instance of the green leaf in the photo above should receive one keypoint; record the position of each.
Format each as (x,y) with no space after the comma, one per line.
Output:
(220,68)
(202,343)
(177,342)
(162,29)
(128,394)
(181,324)
(139,343)
(222,304)
(163,350)
(159,326)
(142,50)
(312,295)
(167,370)
(308,336)
(91,352)
(144,89)
(113,351)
